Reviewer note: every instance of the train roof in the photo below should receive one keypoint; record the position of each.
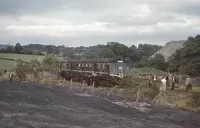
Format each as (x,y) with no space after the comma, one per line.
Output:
(104,60)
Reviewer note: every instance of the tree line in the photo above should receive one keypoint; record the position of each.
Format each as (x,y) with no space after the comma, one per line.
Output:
(137,56)
(112,49)
(187,59)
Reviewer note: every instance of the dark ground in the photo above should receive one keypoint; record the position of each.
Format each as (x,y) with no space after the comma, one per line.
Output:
(27,106)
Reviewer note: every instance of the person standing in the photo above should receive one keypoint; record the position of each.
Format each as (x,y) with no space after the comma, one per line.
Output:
(5,71)
(188,84)
(10,77)
(162,91)
(173,83)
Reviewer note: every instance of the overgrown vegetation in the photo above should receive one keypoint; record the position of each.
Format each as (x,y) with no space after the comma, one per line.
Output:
(50,62)
(137,85)
(187,59)
(22,69)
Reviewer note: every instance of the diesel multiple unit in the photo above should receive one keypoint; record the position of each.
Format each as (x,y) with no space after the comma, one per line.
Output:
(103,72)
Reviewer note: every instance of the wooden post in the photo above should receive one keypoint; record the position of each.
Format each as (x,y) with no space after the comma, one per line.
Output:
(138,94)
(71,83)
(93,86)
(82,87)
(155,98)
(111,90)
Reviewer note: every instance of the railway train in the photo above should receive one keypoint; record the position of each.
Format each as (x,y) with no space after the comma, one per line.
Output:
(103,72)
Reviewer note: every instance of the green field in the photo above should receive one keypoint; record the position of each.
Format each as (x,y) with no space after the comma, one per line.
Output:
(9,65)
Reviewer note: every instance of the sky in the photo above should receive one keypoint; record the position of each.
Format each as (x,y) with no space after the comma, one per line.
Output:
(92,22)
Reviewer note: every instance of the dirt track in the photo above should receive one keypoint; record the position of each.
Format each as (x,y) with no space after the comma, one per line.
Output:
(24,106)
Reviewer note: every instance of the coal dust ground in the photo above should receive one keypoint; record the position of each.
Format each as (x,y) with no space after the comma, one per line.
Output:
(33,106)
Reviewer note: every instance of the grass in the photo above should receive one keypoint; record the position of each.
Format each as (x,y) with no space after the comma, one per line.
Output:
(180,98)
(9,65)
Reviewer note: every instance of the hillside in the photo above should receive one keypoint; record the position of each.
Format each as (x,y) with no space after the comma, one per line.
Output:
(170,48)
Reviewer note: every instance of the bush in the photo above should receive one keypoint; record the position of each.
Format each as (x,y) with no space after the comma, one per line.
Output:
(22,69)
(50,62)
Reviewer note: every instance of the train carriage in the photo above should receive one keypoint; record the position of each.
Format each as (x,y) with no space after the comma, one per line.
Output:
(104,72)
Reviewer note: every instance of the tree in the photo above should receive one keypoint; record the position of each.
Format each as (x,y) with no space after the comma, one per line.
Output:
(142,63)
(158,62)
(18,48)
(120,50)
(9,49)
(49,49)
(175,61)
(106,53)
(148,49)
(187,59)
(134,53)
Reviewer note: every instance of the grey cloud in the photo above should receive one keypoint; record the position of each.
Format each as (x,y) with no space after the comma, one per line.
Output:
(40,6)
(109,11)
(186,7)
(125,20)
(29,6)
(190,8)
(159,37)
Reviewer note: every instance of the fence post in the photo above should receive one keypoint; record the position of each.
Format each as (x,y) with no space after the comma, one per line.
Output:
(93,82)
(71,83)
(111,90)
(82,87)
(138,94)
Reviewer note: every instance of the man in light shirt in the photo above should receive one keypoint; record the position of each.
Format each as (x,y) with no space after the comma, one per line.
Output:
(162,91)
(164,84)
(188,84)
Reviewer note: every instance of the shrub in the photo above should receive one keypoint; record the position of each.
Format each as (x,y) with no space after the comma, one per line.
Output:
(22,69)
(50,62)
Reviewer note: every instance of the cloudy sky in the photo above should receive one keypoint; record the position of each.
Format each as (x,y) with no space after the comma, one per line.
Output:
(91,22)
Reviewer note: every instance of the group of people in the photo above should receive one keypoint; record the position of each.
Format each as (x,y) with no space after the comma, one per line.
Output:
(169,81)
